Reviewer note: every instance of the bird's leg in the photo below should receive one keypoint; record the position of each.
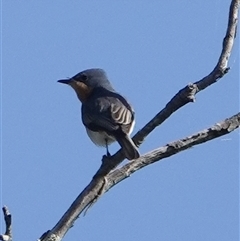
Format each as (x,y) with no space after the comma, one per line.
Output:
(108,153)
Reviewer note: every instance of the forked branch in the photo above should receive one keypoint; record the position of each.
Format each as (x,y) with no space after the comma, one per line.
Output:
(105,178)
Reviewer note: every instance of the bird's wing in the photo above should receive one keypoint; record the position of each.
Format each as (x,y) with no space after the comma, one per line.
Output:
(108,114)
(122,116)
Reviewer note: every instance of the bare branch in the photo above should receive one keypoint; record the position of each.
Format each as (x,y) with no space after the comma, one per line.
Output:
(91,193)
(8,222)
(103,180)
(187,94)
(221,67)
(219,129)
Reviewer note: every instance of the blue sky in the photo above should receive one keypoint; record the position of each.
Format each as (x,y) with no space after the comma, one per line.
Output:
(149,49)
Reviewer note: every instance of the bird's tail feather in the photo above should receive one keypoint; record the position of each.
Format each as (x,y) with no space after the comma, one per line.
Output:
(128,146)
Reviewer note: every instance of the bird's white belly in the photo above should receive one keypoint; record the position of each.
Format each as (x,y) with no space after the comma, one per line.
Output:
(100,138)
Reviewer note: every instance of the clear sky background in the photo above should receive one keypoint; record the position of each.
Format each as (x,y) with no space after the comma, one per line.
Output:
(150,50)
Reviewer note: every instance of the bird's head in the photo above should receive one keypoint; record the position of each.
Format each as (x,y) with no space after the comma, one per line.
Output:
(84,82)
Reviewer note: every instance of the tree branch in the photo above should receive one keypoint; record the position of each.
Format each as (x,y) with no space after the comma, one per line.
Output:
(8,222)
(221,67)
(103,180)
(219,129)
(187,94)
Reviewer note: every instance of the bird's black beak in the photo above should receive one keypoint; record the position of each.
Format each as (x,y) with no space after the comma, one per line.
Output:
(65,81)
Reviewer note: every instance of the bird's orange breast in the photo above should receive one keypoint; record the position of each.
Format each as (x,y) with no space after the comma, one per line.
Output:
(82,90)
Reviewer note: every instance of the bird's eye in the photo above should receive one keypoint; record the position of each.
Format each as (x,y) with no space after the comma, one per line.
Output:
(84,77)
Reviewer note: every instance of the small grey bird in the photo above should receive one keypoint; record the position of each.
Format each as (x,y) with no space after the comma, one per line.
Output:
(107,115)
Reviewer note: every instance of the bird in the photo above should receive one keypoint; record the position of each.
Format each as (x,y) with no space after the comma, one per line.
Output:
(106,115)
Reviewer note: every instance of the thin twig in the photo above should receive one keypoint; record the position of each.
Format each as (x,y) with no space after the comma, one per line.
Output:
(7,236)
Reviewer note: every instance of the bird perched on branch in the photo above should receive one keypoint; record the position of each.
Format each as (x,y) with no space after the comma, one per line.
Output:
(107,115)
